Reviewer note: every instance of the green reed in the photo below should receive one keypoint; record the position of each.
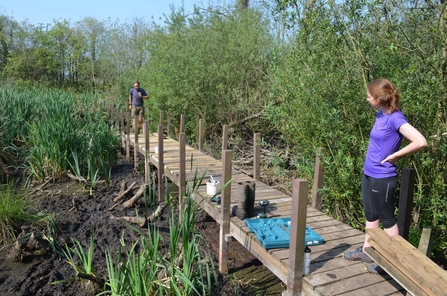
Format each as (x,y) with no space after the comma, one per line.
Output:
(15,209)
(184,269)
(55,125)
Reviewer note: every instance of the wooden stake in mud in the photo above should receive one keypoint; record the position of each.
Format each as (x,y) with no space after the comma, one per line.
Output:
(257,156)
(318,180)
(297,237)
(117,116)
(147,158)
(224,246)
(128,136)
(161,189)
(225,137)
(135,146)
(201,122)
(121,123)
(182,164)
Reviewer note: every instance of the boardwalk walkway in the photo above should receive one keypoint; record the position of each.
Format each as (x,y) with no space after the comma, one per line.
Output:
(329,273)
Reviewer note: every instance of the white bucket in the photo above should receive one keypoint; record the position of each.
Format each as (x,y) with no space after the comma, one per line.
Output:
(156,149)
(211,188)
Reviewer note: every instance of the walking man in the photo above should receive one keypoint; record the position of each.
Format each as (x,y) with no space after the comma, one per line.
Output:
(136,103)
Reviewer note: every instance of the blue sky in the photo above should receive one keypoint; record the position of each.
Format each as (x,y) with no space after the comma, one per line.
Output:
(44,11)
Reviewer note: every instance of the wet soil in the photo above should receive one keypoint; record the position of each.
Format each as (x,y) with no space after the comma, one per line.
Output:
(77,214)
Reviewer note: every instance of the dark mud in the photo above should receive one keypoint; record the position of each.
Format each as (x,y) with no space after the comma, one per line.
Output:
(77,215)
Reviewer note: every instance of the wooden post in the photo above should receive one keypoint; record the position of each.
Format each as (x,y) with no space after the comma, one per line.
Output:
(147,158)
(257,156)
(161,189)
(182,174)
(121,123)
(182,123)
(117,116)
(224,246)
(426,241)
(161,117)
(225,137)
(405,201)
(201,135)
(135,146)
(318,180)
(128,136)
(169,125)
(297,237)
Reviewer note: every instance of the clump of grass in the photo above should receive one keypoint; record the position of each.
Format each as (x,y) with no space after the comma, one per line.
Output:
(85,257)
(15,209)
(183,270)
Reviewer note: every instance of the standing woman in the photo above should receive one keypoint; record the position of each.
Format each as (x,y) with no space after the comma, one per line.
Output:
(379,178)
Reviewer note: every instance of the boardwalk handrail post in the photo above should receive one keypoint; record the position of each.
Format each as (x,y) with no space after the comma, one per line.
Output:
(161,189)
(135,146)
(405,201)
(182,169)
(201,135)
(225,137)
(147,159)
(128,136)
(257,156)
(168,125)
(318,180)
(225,210)
(297,237)
(161,117)
(121,123)
(182,123)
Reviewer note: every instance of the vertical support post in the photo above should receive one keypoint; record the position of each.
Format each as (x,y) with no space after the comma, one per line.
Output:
(117,116)
(297,237)
(318,180)
(225,137)
(405,201)
(161,117)
(161,188)
(224,246)
(147,159)
(121,123)
(135,146)
(169,125)
(257,156)
(182,123)
(201,135)
(182,172)
(128,136)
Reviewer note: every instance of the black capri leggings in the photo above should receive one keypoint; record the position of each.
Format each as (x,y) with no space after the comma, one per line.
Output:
(378,199)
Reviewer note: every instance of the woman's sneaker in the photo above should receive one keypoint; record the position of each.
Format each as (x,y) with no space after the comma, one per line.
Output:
(357,255)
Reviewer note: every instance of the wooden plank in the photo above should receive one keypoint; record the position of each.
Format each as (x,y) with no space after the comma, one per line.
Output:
(359,280)
(388,287)
(427,276)
(391,268)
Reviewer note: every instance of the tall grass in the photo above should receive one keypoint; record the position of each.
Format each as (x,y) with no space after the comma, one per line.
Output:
(185,269)
(15,209)
(56,125)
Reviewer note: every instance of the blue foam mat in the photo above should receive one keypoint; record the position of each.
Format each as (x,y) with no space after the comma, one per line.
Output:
(275,232)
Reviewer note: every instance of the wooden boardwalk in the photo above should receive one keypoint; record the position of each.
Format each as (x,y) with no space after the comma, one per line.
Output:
(329,273)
